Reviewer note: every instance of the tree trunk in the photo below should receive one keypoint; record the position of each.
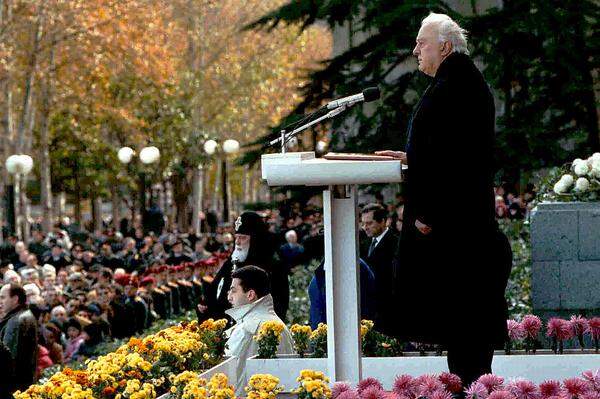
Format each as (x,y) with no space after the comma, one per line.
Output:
(216,202)
(115,199)
(45,174)
(197,198)
(18,208)
(225,189)
(96,213)
(77,193)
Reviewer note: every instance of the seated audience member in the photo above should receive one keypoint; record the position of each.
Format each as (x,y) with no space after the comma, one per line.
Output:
(252,305)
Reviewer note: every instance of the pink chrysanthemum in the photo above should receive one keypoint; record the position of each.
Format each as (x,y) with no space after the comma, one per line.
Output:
(338,388)
(491,382)
(404,385)
(451,381)
(441,394)
(592,377)
(559,329)
(594,327)
(501,394)
(550,388)
(591,395)
(574,387)
(349,394)
(367,383)
(476,391)
(532,325)
(523,389)
(427,384)
(372,392)
(516,332)
(579,325)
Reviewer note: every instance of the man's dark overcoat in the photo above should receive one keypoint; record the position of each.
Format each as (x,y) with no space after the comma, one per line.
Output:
(453,278)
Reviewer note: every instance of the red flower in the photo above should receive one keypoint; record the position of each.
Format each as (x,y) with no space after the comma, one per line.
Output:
(594,327)
(550,388)
(592,377)
(516,332)
(338,388)
(574,387)
(476,391)
(427,385)
(532,325)
(559,329)
(367,383)
(501,394)
(451,382)
(579,325)
(443,394)
(491,382)
(404,385)
(349,394)
(591,395)
(523,389)
(372,392)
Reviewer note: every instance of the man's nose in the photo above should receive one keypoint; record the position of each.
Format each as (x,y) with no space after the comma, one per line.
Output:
(416,51)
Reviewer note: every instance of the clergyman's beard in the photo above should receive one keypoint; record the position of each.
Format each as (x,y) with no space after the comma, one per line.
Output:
(240,254)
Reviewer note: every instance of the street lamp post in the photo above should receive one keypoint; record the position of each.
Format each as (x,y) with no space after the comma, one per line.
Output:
(148,156)
(18,166)
(229,147)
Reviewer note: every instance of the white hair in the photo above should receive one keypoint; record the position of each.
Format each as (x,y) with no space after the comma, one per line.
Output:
(32,289)
(57,309)
(290,233)
(11,275)
(448,31)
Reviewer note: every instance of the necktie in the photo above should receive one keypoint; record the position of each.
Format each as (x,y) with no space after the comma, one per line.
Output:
(372,247)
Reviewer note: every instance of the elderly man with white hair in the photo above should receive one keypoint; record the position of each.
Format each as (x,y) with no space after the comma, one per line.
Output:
(456,269)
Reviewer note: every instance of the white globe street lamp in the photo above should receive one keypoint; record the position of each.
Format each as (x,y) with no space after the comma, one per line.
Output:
(231,146)
(210,146)
(149,155)
(125,155)
(19,164)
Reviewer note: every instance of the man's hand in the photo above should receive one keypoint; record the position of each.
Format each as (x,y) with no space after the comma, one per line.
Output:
(202,308)
(394,154)
(422,227)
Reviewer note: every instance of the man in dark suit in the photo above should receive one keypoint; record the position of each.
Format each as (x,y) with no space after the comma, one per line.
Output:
(456,269)
(379,252)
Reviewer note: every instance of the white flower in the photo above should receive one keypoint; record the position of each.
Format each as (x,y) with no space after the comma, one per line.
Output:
(596,163)
(596,156)
(581,169)
(582,184)
(559,187)
(567,180)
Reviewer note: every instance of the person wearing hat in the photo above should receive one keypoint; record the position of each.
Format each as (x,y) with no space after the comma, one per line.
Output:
(177,256)
(121,313)
(252,247)
(136,304)
(57,257)
(75,339)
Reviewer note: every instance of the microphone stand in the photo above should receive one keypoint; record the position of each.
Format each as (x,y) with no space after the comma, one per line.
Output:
(285,137)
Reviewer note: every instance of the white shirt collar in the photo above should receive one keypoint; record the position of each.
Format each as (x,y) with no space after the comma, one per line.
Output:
(379,237)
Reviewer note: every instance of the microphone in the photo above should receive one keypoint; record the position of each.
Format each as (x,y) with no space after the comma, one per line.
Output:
(369,94)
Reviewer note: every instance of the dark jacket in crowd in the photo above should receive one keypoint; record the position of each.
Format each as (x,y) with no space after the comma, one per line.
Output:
(381,262)
(19,332)
(318,301)
(453,278)
(8,372)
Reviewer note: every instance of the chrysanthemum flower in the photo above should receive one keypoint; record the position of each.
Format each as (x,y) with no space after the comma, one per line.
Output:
(501,394)
(451,382)
(579,325)
(491,382)
(442,394)
(367,383)
(559,329)
(427,384)
(349,394)
(338,388)
(575,387)
(523,389)
(532,325)
(404,385)
(592,377)
(516,332)
(476,391)
(372,392)
(550,388)
(594,327)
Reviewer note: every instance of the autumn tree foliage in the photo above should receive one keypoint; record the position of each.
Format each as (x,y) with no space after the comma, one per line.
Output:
(82,78)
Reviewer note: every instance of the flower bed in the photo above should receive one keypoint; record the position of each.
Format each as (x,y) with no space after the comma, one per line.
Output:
(141,368)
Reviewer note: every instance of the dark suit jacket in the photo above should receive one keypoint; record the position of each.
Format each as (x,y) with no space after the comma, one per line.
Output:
(381,263)
(458,273)
(19,333)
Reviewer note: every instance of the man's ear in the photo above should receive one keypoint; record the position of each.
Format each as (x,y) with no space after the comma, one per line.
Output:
(251,295)
(446,48)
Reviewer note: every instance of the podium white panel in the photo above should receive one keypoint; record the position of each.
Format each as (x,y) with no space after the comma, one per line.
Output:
(303,169)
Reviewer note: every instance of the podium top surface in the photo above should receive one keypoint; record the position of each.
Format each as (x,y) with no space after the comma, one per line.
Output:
(304,169)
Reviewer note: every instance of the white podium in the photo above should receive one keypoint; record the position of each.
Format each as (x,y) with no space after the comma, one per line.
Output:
(340,213)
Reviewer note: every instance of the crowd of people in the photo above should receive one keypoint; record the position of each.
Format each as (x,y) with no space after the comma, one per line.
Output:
(66,291)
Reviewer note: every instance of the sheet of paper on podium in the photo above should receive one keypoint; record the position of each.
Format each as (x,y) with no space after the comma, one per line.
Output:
(340,156)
